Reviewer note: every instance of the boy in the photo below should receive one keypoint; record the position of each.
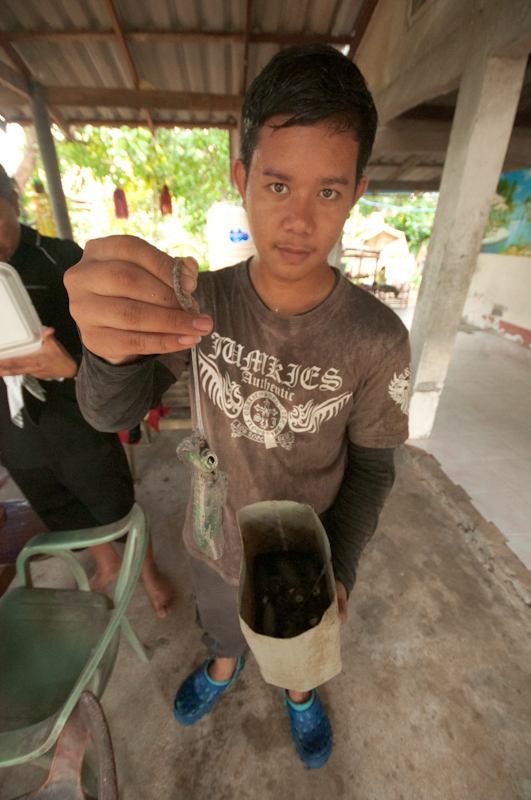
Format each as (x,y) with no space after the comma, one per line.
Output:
(303,376)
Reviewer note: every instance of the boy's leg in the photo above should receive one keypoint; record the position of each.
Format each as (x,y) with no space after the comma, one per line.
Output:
(217,609)
(217,612)
(310,729)
(298,697)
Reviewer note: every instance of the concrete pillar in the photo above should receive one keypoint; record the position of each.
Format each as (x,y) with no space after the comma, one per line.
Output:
(41,120)
(488,96)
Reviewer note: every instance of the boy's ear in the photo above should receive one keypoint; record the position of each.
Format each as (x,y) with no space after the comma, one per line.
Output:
(239,175)
(361,188)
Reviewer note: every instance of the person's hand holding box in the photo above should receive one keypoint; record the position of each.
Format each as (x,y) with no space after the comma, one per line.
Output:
(50,361)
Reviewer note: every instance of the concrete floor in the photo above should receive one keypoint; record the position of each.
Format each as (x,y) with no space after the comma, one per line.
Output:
(434,699)
(482,435)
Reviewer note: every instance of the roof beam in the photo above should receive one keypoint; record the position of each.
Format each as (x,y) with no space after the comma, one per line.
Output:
(14,80)
(119,38)
(392,165)
(60,121)
(335,14)
(134,123)
(362,23)
(10,99)
(143,98)
(23,77)
(126,54)
(18,62)
(432,111)
(389,186)
(172,36)
(248,26)
(400,170)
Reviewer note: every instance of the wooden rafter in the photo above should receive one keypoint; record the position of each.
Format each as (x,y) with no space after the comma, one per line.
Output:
(177,37)
(143,98)
(438,113)
(14,80)
(77,122)
(60,121)
(126,54)
(380,185)
(21,79)
(335,15)
(8,98)
(431,112)
(362,23)
(398,171)
(19,63)
(421,163)
(247,35)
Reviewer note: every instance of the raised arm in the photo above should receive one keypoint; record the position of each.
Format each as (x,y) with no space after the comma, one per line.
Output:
(122,299)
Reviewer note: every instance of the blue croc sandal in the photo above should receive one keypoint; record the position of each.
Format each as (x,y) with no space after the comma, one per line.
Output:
(310,730)
(199,693)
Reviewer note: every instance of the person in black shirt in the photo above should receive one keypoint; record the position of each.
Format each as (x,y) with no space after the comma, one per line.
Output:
(72,475)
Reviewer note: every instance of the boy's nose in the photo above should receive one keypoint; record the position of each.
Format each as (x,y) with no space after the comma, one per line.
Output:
(299,218)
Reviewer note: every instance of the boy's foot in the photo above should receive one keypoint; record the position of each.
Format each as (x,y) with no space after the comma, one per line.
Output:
(310,730)
(199,693)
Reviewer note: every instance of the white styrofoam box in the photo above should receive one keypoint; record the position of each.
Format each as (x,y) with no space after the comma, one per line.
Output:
(20,326)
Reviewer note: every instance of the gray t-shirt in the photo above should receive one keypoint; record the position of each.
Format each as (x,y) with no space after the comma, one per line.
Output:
(279,395)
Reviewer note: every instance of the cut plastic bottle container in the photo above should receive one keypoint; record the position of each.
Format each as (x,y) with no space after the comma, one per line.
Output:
(20,326)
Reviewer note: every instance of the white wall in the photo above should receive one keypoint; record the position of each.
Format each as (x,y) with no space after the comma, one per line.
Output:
(499,296)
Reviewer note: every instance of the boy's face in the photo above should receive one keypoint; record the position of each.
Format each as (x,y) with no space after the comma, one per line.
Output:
(298,193)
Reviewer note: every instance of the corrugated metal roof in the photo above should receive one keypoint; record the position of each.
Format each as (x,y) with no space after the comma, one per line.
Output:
(213,67)
(83,50)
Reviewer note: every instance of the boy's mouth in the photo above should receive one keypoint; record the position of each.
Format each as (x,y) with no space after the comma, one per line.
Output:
(293,255)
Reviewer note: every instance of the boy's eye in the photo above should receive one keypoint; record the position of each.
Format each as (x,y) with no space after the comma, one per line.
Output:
(328,194)
(278,188)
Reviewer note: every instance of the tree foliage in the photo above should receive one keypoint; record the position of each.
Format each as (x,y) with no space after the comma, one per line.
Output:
(193,163)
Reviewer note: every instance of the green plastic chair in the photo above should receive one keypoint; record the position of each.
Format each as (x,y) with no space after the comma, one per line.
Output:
(72,775)
(55,643)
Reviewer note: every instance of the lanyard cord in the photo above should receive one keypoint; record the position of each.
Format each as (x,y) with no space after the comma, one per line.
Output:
(195,379)
(186,303)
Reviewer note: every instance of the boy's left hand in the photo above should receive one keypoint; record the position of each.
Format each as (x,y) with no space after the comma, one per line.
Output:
(50,361)
(342,601)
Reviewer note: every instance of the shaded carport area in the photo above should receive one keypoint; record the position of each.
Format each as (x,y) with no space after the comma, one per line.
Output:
(434,699)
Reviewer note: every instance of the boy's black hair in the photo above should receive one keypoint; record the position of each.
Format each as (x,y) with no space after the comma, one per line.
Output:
(310,84)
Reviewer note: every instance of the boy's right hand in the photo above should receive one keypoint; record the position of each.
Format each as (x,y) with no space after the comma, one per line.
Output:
(122,299)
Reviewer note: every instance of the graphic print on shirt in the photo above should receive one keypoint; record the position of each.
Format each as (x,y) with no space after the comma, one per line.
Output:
(262,417)
(399,390)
